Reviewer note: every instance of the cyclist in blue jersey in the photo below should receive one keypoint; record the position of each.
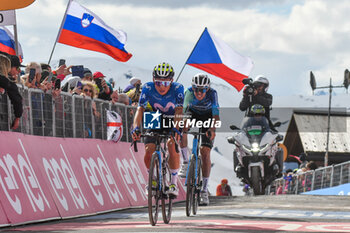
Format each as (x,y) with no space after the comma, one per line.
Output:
(201,103)
(167,97)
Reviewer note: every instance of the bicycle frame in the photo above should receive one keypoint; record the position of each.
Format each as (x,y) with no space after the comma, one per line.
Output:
(195,152)
(161,151)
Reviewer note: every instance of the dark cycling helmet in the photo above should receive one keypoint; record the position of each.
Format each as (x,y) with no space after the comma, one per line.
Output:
(163,71)
(201,81)
(257,109)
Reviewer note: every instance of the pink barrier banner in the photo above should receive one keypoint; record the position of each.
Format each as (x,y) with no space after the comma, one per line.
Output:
(50,178)
(3,218)
(24,195)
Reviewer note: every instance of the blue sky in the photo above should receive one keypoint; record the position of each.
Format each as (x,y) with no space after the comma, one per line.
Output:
(286,39)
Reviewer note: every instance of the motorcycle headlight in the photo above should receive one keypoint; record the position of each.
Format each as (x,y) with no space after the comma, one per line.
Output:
(255,147)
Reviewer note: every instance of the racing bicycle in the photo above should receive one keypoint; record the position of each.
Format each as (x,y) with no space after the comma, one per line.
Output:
(159,178)
(194,176)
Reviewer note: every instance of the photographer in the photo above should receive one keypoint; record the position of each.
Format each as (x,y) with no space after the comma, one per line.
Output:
(256,93)
(104,87)
(133,90)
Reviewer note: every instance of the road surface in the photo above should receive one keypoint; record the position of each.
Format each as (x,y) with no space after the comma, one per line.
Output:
(284,213)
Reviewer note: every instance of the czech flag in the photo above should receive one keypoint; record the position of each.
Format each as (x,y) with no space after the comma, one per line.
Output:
(83,29)
(214,56)
(7,43)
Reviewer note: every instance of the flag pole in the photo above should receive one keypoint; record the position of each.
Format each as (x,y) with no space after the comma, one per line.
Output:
(16,43)
(189,56)
(59,31)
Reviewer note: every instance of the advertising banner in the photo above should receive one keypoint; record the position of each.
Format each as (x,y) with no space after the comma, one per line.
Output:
(7,18)
(23,194)
(45,178)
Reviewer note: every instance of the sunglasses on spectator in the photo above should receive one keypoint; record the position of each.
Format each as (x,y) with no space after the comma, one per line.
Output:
(200,89)
(162,83)
(87,90)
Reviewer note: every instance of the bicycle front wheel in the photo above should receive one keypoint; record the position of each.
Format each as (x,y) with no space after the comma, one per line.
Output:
(197,187)
(167,202)
(154,193)
(190,186)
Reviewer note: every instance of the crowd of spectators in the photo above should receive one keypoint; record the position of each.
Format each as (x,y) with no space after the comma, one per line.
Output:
(290,177)
(41,76)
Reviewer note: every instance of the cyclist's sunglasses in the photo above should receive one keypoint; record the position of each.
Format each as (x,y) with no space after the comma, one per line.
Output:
(200,89)
(162,83)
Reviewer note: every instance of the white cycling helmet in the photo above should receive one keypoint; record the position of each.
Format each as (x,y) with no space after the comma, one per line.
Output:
(201,81)
(263,80)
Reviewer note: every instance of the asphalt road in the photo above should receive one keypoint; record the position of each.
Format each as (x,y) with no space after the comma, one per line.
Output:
(284,213)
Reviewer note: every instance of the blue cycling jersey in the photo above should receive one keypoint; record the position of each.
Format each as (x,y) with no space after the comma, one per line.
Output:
(209,104)
(167,103)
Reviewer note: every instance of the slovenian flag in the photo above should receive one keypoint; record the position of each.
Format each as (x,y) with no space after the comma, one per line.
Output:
(83,29)
(7,43)
(214,56)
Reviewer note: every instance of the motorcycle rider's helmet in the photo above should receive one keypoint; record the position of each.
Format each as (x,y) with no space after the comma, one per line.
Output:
(163,71)
(257,110)
(201,81)
(261,80)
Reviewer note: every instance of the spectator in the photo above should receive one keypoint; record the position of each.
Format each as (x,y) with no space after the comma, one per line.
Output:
(133,90)
(11,88)
(35,83)
(311,165)
(223,189)
(279,188)
(87,75)
(71,83)
(124,99)
(45,66)
(246,190)
(105,89)
(303,160)
(89,91)
(15,67)
(114,97)
(111,81)
(133,83)
(78,88)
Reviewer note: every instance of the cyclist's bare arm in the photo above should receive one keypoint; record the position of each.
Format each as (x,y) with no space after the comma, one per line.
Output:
(137,121)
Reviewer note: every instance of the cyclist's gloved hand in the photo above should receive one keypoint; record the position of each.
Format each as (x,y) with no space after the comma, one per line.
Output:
(135,133)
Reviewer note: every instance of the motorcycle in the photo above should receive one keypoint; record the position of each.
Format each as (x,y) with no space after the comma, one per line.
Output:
(258,160)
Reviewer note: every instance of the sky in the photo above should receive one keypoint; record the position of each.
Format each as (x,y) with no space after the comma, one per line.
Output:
(286,39)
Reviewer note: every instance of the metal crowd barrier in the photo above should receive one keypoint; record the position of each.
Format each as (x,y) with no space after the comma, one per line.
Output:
(64,116)
(311,180)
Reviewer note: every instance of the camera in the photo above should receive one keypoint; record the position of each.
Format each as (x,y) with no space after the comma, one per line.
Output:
(250,86)
(138,86)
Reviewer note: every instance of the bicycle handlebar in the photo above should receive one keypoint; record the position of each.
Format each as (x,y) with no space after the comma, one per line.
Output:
(199,133)
(154,134)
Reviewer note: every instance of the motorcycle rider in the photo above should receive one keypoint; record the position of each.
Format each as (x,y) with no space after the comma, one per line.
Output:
(201,103)
(257,94)
(165,96)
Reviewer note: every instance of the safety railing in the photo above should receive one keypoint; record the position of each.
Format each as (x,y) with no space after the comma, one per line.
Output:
(64,115)
(311,180)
